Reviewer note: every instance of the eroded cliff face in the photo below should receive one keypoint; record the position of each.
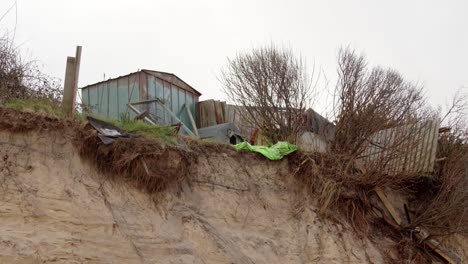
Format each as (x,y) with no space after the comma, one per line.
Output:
(54,207)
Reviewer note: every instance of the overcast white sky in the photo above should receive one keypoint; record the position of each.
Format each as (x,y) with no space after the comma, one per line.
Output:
(427,41)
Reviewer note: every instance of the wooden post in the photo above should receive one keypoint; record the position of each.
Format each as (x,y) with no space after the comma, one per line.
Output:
(71,83)
(77,73)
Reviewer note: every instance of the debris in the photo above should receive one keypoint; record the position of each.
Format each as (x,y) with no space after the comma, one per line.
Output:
(388,206)
(169,111)
(420,234)
(142,115)
(107,132)
(224,133)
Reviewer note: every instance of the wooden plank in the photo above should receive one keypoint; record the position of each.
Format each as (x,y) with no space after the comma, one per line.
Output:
(450,257)
(176,118)
(388,205)
(218,112)
(421,235)
(138,113)
(210,113)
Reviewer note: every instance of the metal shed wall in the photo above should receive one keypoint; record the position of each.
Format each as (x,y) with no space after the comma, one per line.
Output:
(109,98)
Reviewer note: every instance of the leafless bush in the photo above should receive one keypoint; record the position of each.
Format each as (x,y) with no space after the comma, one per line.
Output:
(445,212)
(274,88)
(23,79)
(368,101)
(375,109)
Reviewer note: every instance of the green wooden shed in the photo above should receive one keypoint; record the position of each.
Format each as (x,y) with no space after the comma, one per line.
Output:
(109,98)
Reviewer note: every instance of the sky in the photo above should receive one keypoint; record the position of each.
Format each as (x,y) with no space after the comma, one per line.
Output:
(425,40)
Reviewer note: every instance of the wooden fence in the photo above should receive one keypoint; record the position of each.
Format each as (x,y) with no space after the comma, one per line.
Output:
(409,148)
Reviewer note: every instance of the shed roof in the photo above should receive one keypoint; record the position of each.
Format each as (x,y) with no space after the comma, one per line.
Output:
(169,77)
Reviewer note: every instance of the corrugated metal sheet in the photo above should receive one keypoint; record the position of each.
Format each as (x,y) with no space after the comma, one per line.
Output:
(109,98)
(409,149)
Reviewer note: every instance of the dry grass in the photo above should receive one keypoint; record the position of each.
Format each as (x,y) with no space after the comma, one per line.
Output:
(369,101)
(21,122)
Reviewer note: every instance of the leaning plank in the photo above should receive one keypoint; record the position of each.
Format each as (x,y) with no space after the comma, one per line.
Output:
(176,118)
(129,105)
(194,126)
(388,205)
(421,234)
(450,257)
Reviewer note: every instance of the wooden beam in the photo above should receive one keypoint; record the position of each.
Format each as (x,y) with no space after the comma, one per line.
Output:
(129,105)
(176,118)
(388,205)
(146,101)
(421,234)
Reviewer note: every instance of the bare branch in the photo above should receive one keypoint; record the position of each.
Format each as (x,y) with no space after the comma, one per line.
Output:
(273,87)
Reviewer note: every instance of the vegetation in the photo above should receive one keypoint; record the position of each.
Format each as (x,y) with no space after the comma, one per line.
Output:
(368,101)
(166,134)
(20,79)
(274,89)
(38,105)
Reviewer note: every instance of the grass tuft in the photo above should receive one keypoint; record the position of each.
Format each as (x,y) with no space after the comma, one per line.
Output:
(36,105)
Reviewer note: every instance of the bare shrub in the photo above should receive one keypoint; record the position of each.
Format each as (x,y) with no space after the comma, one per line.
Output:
(445,210)
(368,101)
(20,79)
(273,87)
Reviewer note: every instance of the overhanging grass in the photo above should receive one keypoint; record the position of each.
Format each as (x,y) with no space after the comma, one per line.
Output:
(165,134)
(37,105)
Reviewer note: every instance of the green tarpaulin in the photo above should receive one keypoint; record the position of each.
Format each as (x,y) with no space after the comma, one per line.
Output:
(275,152)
